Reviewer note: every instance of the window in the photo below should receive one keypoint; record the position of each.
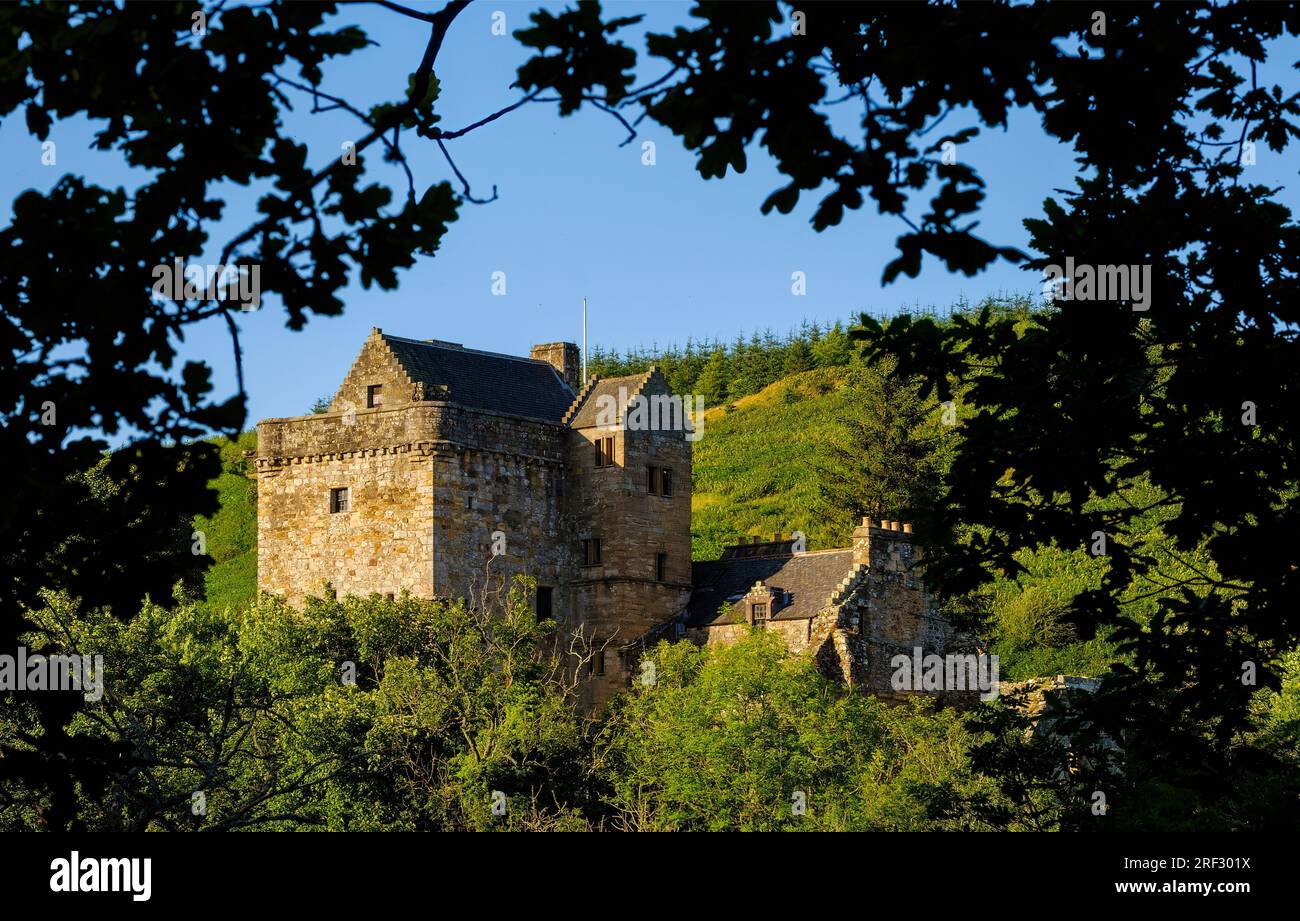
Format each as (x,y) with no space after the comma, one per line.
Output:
(598,662)
(339,500)
(374,396)
(659,481)
(469,502)
(604,452)
(591,551)
(661,567)
(545,600)
(760,613)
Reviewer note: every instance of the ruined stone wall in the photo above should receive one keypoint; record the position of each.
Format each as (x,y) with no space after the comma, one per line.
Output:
(900,613)
(878,610)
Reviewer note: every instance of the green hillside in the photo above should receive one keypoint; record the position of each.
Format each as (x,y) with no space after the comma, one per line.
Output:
(231,534)
(755,468)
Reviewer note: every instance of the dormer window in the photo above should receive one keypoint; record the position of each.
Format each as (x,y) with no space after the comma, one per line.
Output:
(374,396)
(758,613)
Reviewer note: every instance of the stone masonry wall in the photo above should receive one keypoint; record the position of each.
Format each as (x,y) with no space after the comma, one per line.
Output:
(620,599)
(878,610)
(382,543)
(430,482)
(900,613)
(377,365)
(478,493)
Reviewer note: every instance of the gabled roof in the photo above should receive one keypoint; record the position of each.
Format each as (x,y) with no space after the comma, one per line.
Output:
(484,380)
(586,409)
(808,579)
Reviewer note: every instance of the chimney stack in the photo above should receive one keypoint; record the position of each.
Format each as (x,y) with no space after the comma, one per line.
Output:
(564,358)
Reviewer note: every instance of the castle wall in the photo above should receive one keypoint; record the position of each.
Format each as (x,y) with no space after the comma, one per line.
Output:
(621,599)
(900,614)
(430,482)
(382,543)
(495,473)
(479,494)
(797,634)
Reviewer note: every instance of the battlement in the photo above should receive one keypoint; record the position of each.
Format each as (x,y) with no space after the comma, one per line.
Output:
(886,546)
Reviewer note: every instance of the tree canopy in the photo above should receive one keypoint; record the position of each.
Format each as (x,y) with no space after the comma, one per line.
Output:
(1084,421)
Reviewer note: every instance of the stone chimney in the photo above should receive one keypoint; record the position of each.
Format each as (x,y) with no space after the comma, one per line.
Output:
(886,545)
(563,357)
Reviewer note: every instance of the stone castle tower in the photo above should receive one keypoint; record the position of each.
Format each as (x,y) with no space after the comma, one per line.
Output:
(436,463)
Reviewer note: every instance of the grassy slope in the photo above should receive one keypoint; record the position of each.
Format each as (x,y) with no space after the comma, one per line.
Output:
(231,533)
(756,465)
(756,474)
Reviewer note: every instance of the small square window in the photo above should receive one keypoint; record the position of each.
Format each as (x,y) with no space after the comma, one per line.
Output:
(591,551)
(666,478)
(652,480)
(604,452)
(545,602)
(374,395)
(598,662)
(339,500)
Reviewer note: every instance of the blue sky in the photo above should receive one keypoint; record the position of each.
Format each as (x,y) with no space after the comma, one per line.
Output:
(660,253)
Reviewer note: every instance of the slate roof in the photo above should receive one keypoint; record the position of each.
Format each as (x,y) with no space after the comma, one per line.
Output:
(485,380)
(586,416)
(809,578)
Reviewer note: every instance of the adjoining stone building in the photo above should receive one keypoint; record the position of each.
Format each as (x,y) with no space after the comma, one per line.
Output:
(852,609)
(437,464)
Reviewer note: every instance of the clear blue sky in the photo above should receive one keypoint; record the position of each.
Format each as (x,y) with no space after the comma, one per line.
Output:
(660,253)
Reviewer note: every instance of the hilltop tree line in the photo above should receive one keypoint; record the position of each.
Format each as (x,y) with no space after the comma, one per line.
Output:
(723,372)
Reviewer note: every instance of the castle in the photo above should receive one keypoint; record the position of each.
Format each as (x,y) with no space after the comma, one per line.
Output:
(436,463)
